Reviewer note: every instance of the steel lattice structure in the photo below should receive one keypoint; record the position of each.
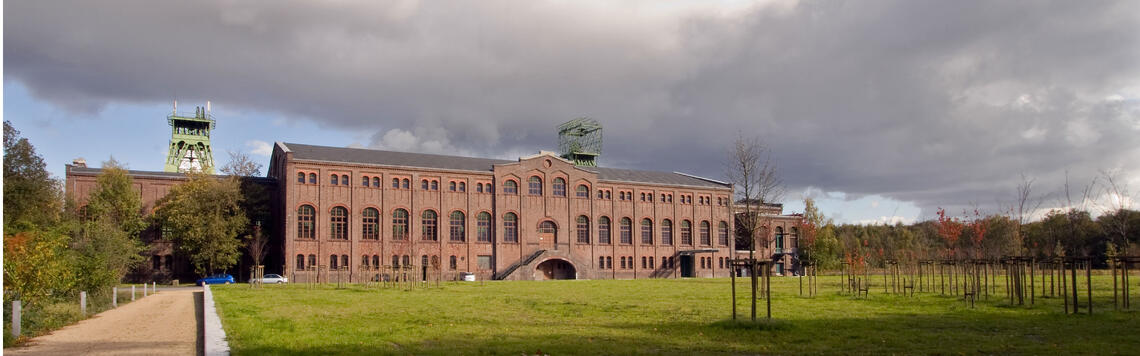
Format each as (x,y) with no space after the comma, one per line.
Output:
(580,141)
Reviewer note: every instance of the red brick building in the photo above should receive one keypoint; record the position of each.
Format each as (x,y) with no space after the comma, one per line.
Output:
(539,217)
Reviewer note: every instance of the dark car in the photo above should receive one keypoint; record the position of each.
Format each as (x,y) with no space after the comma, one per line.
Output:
(216,279)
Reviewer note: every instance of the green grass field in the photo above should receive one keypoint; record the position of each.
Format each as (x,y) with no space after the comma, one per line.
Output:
(690,316)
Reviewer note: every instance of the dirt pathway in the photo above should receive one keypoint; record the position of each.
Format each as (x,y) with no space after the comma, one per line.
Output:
(162,324)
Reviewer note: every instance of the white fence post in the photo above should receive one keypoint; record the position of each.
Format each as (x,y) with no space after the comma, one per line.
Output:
(144,289)
(83,303)
(114,297)
(153,287)
(132,293)
(15,318)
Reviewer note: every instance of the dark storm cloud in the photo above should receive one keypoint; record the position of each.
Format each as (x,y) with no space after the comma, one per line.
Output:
(940,103)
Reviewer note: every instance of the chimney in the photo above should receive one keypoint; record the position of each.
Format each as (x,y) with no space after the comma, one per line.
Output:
(79,162)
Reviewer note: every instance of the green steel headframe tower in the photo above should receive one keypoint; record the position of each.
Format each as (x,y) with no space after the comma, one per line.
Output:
(190,141)
(580,141)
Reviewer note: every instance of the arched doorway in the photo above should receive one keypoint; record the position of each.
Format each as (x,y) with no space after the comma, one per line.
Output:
(555,269)
(547,235)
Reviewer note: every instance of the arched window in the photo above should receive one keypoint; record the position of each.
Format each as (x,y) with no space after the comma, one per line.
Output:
(395,261)
(344,261)
(583,229)
(458,226)
(604,230)
(510,227)
(312,261)
(395,183)
(300,177)
(344,181)
(435,185)
(333,262)
(647,231)
(666,232)
(452,186)
(705,239)
(601,194)
(334,179)
(609,196)
(406,183)
(424,184)
(376,260)
(306,221)
(478,187)
(483,230)
(338,219)
(722,234)
(462,186)
(795,238)
(686,233)
(370,224)
(453,263)
(510,187)
(364,181)
(626,231)
(559,187)
(779,239)
(399,224)
(534,185)
(547,227)
(364,260)
(582,191)
(407,260)
(300,258)
(312,178)
(376,182)
(430,222)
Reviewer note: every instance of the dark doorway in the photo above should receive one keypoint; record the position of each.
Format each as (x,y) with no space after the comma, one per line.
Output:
(555,269)
(687,266)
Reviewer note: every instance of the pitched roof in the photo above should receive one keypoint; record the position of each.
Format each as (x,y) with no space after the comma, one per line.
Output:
(424,160)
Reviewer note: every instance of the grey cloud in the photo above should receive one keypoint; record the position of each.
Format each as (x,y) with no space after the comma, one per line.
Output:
(938,102)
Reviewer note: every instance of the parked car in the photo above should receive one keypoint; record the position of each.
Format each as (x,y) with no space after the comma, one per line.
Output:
(216,279)
(273,279)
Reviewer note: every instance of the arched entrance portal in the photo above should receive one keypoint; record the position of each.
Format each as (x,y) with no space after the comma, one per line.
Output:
(555,269)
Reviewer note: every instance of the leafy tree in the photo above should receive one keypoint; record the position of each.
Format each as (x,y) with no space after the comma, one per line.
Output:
(205,217)
(37,266)
(819,244)
(31,197)
(241,165)
(106,237)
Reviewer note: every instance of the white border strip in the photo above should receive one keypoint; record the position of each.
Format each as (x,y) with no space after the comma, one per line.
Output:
(215,343)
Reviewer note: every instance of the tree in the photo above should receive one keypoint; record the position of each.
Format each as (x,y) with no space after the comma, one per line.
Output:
(819,244)
(950,229)
(255,244)
(1115,213)
(106,237)
(1025,208)
(37,266)
(205,217)
(751,169)
(31,197)
(241,165)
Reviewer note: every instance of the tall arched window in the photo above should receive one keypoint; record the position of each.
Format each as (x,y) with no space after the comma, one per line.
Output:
(424,184)
(484,227)
(705,238)
(395,261)
(722,234)
(458,230)
(452,186)
(376,182)
(510,227)
(582,191)
(430,223)
(666,232)
(510,187)
(364,181)
(399,224)
(534,185)
(333,262)
(406,183)
(559,187)
(626,231)
(478,187)
(312,261)
(604,230)
(779,239)
(312,178)
(795,238)
(583,229)
(434,185)
(344,261)
(364,260)
(300,263)
(370,224)
(395,183)
(334,179)
(306,222)
(344,179)
(338,221)
(300,177)
(647,231)
(376,260)
(452,263)
(686,233)
(462,187)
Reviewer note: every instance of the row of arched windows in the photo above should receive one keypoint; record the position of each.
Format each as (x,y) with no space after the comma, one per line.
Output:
(457,227)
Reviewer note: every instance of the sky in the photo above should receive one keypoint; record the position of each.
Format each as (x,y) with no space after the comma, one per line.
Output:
(882,111)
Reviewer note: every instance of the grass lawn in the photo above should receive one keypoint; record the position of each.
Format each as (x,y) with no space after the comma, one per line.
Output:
(659,316)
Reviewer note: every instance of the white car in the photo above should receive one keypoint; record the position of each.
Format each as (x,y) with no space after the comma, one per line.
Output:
(274,279)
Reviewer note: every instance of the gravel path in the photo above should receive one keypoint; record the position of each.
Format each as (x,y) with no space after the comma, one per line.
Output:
(162,324)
